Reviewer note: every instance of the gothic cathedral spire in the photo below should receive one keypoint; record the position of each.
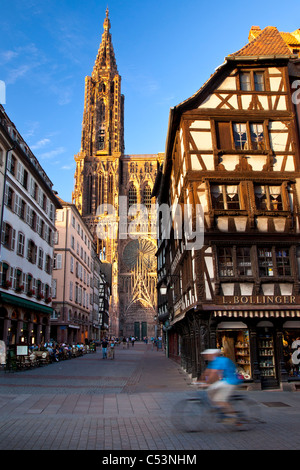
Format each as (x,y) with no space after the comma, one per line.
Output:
(102,140)
(103,118)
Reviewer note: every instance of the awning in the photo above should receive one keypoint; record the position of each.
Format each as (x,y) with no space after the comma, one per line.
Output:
(20,302)
(257,313)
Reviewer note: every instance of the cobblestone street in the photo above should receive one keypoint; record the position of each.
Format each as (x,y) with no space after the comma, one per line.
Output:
(125,404)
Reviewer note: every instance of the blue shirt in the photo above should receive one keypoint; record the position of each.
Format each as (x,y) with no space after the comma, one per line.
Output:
(227,368)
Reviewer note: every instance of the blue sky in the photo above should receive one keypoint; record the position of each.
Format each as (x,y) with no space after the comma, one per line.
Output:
(165,51)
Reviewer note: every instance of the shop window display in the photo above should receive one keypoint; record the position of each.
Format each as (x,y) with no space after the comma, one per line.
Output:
(266,355)
(291,352)
(234,344)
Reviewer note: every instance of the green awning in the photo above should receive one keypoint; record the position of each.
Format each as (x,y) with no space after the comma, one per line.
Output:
(20,302)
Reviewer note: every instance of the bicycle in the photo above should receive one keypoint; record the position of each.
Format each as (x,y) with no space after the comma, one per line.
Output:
(198,413)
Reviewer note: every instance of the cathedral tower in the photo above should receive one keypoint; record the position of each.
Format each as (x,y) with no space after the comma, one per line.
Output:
(103,174)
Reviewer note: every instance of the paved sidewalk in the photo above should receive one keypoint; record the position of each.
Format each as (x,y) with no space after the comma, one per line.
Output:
(124,404)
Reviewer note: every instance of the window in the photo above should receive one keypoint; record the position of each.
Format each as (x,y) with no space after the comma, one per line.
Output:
(274,261)
(225,257)
(245,81)
(283,262)
(11,163)
(9,197)
(56,237)
(224,196)
(31,252)
(5,275)
(54,285)
(257,137)
(25,179)
(240,136)
(252,81)
(132,196)
(23,209)
(259,81)
(245,135)
(147,196)
(8,236)
(48,264)
(110,195)
(57,261)
(21,244)
(243,261)
(33,220)
(268,198)
(235,261)
(41,258)
(242,140)
(265,262)
(33,189)
(19,280)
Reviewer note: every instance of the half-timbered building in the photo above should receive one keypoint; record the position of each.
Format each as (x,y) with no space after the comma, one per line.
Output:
(232,150)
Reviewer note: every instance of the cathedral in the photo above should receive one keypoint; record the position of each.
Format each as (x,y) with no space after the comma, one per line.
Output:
(113,193)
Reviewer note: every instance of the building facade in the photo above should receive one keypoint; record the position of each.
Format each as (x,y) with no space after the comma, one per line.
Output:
(76,278)
(28,229)
(232,161)
(104,175)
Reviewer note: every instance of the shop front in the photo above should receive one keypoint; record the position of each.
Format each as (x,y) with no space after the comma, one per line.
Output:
(264,345)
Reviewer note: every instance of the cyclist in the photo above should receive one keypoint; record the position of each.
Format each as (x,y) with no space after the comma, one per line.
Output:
(220,376)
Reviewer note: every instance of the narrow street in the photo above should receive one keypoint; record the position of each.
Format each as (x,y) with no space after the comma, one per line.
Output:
(124,404)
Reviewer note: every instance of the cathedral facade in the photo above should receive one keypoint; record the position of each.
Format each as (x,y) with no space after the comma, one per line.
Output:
(113,195)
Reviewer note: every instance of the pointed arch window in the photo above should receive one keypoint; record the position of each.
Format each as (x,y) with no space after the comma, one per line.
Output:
(132,196)
(111,189)
(147,196)
(101,189)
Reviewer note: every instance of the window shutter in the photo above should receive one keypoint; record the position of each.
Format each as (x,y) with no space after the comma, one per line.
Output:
(6,194)
(24,280)
(223,135)
(3,233)
(13,239)
(13,277)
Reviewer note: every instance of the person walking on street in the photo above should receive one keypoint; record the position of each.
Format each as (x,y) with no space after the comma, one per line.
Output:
(104,349)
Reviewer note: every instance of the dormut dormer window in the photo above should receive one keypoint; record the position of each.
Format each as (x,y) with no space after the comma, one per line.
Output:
(252,81)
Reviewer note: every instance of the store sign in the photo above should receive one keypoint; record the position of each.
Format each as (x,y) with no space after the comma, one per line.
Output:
(259,299)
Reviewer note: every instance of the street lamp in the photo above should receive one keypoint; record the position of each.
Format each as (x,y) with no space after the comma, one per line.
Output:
(164,285)
(163,289)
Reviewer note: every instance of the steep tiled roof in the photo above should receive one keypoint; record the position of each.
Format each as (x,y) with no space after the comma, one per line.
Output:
(268,42)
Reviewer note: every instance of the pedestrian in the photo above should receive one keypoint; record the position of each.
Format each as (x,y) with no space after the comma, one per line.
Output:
(132,341)
(124,342)
(104,345)
(112,349)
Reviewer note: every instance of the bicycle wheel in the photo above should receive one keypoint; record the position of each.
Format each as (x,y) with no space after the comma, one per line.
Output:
(189,415)
(248,412)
